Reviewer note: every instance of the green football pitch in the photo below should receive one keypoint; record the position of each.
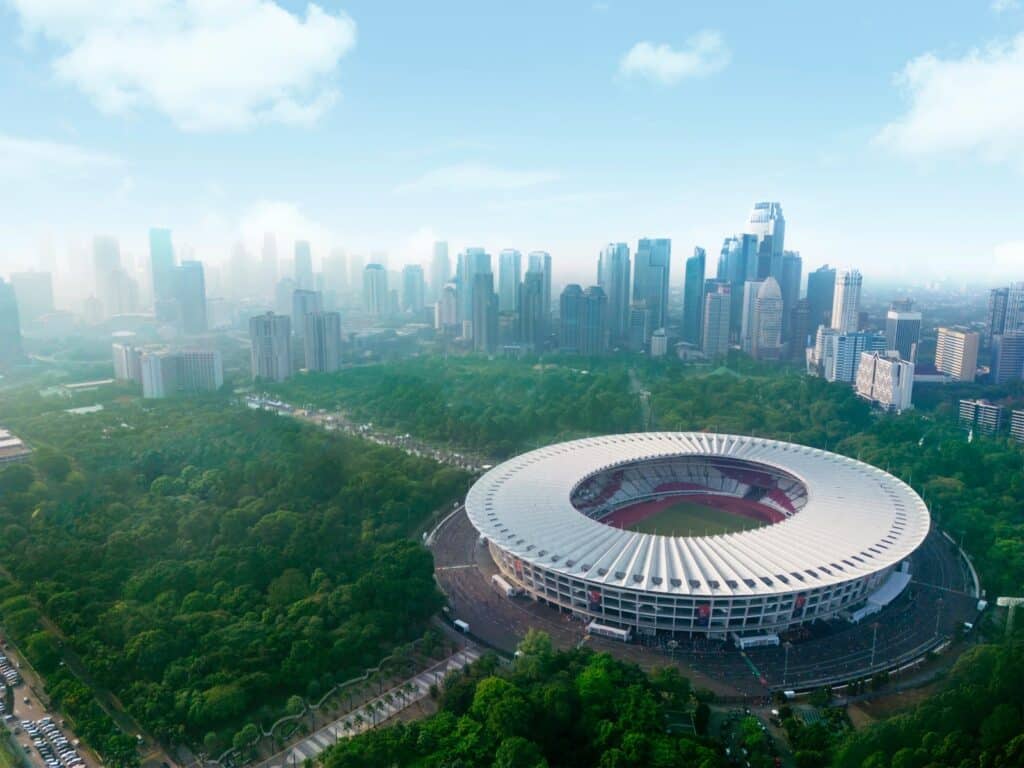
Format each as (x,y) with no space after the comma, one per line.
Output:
(689,519)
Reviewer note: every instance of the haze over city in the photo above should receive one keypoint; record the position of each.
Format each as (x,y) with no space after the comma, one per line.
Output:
(511,385)
(895,143)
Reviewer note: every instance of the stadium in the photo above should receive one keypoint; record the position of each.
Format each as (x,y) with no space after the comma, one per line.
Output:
(696,534)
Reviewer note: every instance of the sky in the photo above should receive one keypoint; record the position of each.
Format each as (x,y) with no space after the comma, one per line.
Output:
(892,133)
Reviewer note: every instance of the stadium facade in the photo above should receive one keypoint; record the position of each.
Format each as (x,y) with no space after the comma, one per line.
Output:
(832,539)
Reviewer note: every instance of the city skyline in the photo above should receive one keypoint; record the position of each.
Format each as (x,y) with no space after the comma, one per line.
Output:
(348,149)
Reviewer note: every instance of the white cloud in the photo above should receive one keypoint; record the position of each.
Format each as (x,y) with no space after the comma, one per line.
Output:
(1002,6)
(704,54)
(207,64)
(477,177)
(27,159)
(1008,258)
(971,103)
(287,221)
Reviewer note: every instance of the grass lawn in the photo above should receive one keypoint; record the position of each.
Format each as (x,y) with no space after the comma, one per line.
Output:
(689,519)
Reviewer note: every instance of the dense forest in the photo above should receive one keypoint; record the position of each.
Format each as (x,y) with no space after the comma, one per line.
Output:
(573,709)
(206,560)
(497,407)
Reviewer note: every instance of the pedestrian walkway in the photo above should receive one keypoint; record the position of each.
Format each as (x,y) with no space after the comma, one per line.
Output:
(401,697)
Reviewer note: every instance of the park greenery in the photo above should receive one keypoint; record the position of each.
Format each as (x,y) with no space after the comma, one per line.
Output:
(496,407)
(207,561)
(560,709)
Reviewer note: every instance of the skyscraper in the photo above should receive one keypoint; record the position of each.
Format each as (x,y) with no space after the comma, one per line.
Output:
(34,291)
(767,330)
(10,328)
(847,349)
(440,269)
(268,264)
(484,314)
(717,306)
(1007,356)
(651,270)
(570,315)
(789,285)
(303,265)
(106,259)
(767,224)
(593,324)
(821,286)
(1014,308)
(375,290)
(190,293)
(956,353)
(995,321)
(472,262)
(613,277)
(846,301)
(750,290)
(413,289)
(161,264)
(800,329)
(271,337)
(903,331)
(335,269)
(304,303)
(510,270)
(322,341)
(540,261)
(737,264)
(693,296)
(532,328)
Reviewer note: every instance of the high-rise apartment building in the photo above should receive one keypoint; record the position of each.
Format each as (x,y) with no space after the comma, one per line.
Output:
(982,415)
(271,338)
(127,362)
(886,380)
(717,306)
(1007,356)
(322,341)
(1017,425)
(767,326)
(304,265)
(846,301)
(903,330)
(846,349)
(484,314)
(651,270)
(375,290)
(510,275)
(165,373)
(693,296)
(440,270)
(10,326)
(821,286)
(304,303)
(956,353)
(613,277)
(413,289)
(190,293)
(532,326)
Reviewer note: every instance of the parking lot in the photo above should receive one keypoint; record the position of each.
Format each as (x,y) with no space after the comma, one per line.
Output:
(41,735)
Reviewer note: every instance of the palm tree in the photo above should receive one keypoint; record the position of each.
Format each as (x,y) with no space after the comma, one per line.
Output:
(359,720)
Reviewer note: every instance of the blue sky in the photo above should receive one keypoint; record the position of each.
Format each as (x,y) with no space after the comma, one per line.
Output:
(893,134)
